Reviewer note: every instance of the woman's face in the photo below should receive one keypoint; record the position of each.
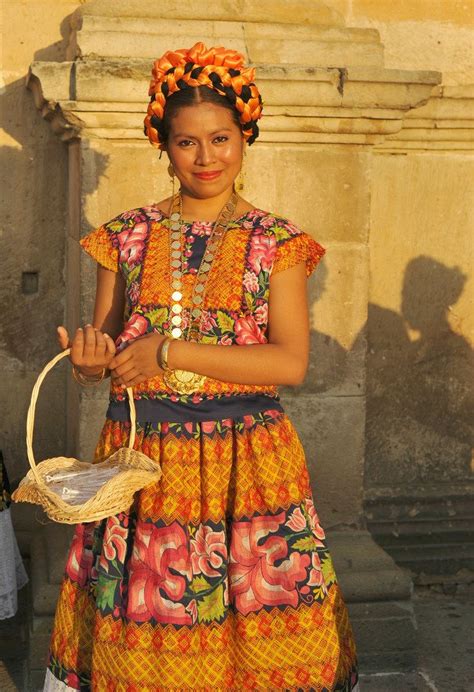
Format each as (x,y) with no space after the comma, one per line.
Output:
(205,147)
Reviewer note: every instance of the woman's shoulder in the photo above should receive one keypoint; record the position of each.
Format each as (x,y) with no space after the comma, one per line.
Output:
(143,214)
(269,223)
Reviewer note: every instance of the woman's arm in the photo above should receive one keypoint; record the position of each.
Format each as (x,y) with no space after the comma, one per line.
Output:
(92,348)
(283,360)
(109,302)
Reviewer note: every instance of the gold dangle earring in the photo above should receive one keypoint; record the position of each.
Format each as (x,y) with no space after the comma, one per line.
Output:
(239,182)
(172,176)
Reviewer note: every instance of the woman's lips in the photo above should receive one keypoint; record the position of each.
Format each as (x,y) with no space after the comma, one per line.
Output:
(208,175)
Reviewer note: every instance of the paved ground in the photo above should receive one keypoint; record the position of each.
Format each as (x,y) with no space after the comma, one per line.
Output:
(445,649)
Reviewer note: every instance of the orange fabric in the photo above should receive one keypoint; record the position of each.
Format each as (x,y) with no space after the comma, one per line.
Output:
(256,245)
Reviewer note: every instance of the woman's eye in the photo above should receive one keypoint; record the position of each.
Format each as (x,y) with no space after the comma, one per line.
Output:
(220,139)
(184,143)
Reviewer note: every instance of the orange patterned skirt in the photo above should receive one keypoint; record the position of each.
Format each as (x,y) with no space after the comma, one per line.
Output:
(217,578)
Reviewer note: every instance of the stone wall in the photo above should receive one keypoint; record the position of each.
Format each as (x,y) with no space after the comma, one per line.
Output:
(364,149)
(33,223)
(420,367)
(359,186)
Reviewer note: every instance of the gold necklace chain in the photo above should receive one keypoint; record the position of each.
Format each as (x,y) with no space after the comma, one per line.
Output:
(184,381)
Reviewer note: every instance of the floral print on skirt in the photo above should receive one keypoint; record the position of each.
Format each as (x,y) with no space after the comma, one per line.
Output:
(217,578)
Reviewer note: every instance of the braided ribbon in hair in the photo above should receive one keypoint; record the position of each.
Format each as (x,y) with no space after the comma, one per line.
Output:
(218,68)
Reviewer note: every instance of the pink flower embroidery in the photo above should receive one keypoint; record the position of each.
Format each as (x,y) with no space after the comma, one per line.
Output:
(255,581)
(201,228)
(191,608)
(80,557)
(316,528)
(250,282)
(208,426)
(262,252)
(115,540)
(131,244)
(208,551)
(225,340)
(133,214)
(134,291)
(297,520)
(154,214)
(261,314)
(72,680)
(316,577)
(248,332)
(208,322)
(136,326)
(159,569)
(267,221)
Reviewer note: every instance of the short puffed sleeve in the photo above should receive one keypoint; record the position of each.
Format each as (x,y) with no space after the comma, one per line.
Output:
(294,246)
(102,244)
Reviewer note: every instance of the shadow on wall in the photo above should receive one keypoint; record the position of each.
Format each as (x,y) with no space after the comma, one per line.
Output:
(328,367)
(420,399)
(34,213)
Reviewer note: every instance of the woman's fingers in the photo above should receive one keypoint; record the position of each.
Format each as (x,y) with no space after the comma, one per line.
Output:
(126,370)
(89,344)
(77,347)
(63,337)
(131,379)
(110,344)
(100,344)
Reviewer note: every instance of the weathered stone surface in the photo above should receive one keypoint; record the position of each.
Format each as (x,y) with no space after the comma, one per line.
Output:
(308,178)
(420,324)
(49,439)
(48,556)
(285,11)
(366,572)
(378,594)
(334,453)
(446,123)
(337,306)
(291,86)
(305,44)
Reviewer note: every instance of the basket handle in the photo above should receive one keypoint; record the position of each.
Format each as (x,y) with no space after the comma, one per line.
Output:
(30,418)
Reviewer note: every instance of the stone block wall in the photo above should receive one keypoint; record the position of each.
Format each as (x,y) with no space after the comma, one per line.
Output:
(377,196)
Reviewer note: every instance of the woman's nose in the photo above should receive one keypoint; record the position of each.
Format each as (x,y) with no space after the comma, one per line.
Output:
(205,155)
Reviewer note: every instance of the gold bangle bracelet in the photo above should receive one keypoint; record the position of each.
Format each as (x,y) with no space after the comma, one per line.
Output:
(163,354)
(86,381)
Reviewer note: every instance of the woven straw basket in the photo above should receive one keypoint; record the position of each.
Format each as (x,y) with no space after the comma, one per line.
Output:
(72,491)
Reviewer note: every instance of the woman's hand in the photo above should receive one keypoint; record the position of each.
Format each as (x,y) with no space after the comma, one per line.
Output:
(137,362)
(91,350)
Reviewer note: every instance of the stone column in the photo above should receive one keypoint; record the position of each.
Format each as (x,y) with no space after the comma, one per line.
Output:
(327,101)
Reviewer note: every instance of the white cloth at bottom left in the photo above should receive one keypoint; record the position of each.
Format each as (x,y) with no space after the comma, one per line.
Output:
(12,571)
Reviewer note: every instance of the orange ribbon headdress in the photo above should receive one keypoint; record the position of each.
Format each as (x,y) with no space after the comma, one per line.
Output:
(218,68)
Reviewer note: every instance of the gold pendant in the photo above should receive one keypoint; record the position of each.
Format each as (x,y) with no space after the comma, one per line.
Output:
(184,381)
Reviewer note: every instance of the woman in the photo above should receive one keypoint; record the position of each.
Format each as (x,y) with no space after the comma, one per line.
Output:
(12,572)
(218,577)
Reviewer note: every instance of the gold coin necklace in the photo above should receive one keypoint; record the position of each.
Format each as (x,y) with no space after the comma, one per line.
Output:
(185,381)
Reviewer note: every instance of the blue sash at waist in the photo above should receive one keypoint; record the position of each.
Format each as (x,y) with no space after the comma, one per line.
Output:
(165,410)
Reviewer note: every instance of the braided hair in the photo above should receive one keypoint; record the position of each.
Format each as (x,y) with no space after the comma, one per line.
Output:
(217,69)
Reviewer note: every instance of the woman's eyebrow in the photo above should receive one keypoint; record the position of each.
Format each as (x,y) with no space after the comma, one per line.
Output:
(184,134)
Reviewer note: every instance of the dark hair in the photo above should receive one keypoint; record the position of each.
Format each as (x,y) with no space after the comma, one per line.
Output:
(189,97)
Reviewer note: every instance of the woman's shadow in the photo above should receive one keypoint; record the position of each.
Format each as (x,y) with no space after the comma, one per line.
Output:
(420,371)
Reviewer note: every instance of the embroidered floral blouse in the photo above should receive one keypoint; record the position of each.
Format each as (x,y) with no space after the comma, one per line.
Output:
(235,308)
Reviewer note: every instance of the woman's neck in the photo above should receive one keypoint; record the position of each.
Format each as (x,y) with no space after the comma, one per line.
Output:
(196,209)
